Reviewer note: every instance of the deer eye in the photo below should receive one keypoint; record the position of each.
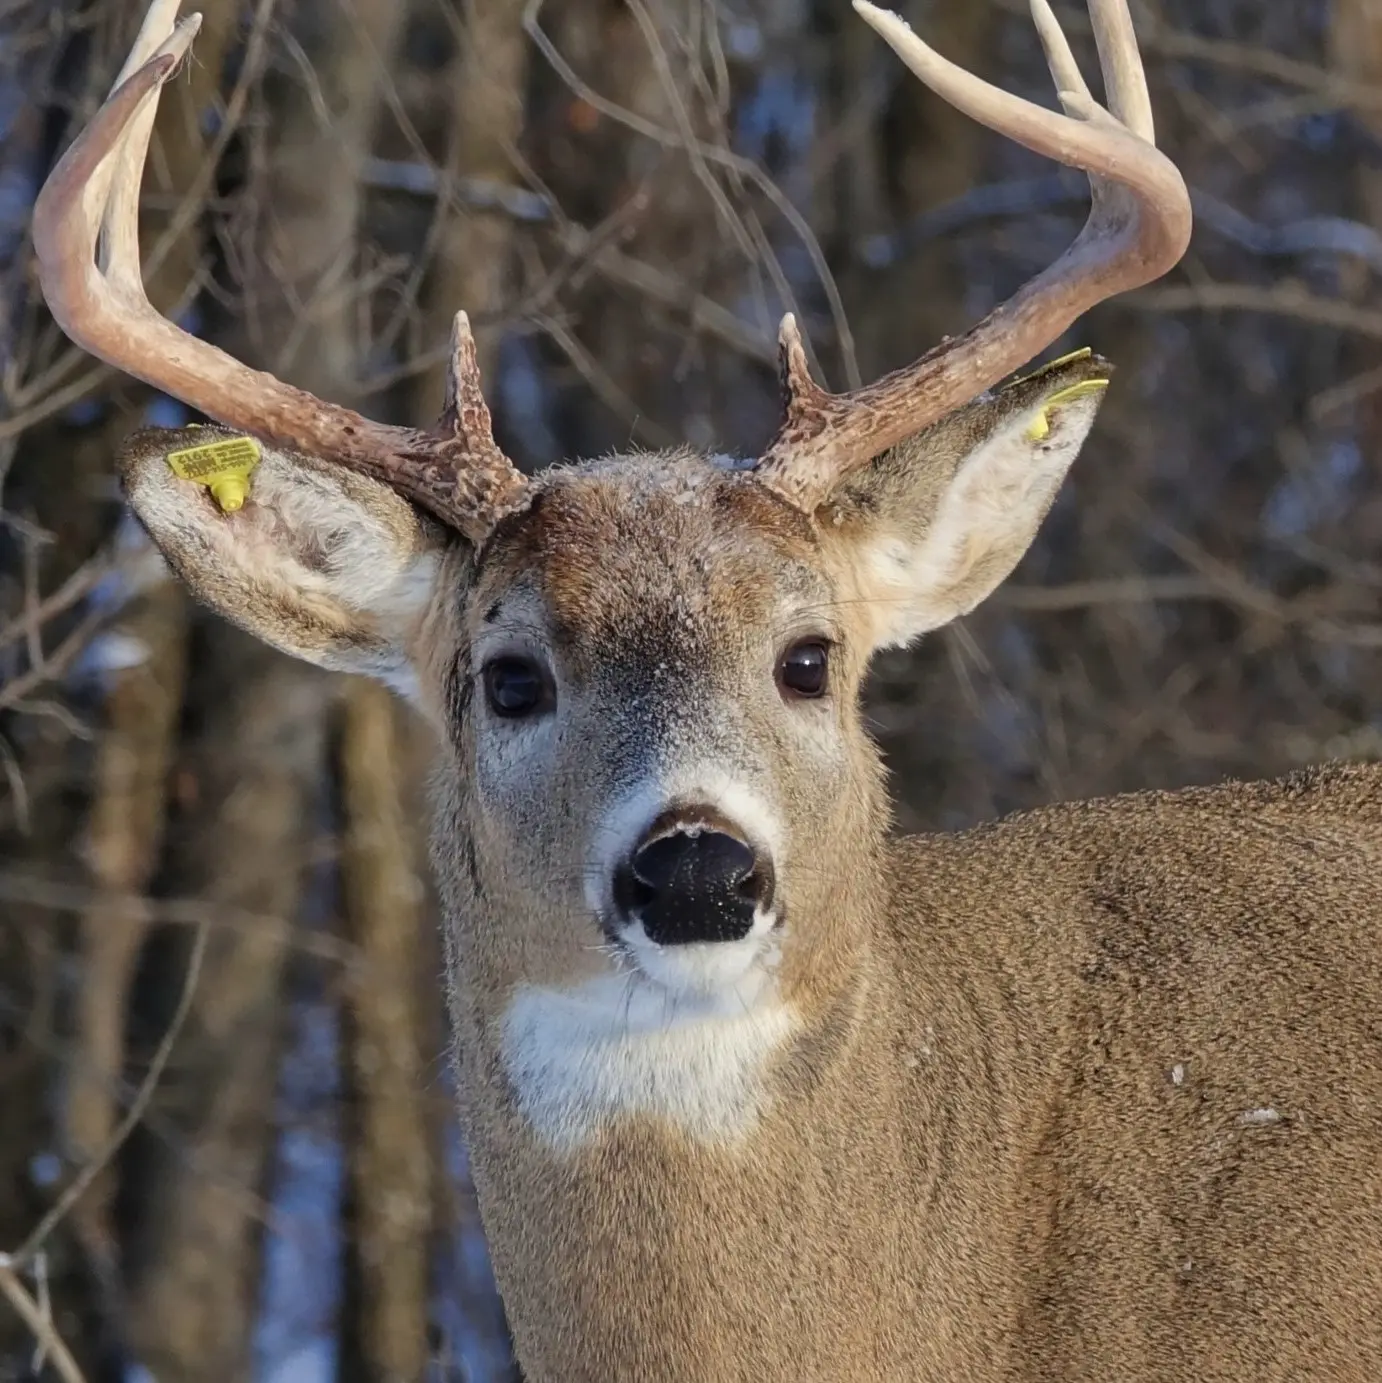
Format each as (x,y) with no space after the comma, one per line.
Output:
(803,670)
(515,687)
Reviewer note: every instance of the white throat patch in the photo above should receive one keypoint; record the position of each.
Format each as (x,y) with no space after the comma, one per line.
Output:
(616,1047)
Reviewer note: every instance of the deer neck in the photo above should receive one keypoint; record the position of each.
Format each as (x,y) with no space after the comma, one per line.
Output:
(731,1163)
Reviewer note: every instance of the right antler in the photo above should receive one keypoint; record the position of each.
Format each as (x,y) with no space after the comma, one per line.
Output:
(1138,228)
(86,236)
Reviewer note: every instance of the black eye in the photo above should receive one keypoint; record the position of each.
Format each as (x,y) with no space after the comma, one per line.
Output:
(804,669)
(514,687)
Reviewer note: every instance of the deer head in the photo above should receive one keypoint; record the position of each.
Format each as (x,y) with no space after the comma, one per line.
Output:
(646,668)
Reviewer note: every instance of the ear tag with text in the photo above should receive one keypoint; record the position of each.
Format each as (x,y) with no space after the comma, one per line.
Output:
(224,467)
(1083,353)
(1041,424)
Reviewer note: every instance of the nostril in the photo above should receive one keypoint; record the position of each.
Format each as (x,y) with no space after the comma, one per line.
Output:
(631,894)
(657,864)
(758,886)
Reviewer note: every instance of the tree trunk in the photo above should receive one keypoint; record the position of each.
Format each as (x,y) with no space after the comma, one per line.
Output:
(385,902)
(252,782)
(257,768)
(487,79)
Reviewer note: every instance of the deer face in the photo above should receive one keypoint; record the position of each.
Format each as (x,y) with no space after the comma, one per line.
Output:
(657,721)
(648,676)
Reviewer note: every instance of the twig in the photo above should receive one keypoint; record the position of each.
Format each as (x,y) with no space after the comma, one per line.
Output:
(1238,590)
(54,665)
(600,381)
(702,313)
(1339,397)
(1022,196)
(79,1184)
(1213,581)
(581,246)
(79,584)
(711,153)
(478,194)
(1279,300)
(1308,235)
(19,793)
(38,1321)
(19,888)
(1131,590)
(692,144)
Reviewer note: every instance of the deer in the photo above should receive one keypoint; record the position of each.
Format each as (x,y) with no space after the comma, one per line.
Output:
(753,1087)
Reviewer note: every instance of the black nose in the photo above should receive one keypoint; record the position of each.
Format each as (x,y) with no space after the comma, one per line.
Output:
(693,883)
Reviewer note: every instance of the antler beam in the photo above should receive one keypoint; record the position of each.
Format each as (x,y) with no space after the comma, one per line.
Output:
(1138,229)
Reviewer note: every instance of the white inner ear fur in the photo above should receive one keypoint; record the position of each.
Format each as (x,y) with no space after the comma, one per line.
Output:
(328,566)
(984,523)
(364,562)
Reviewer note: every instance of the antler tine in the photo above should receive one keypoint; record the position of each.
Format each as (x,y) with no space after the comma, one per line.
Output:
(86,237)
(464,411)
(1060,61)
(118,249)
(1125,80)
(1138,228)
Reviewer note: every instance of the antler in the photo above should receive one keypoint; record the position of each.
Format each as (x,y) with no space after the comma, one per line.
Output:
(1138,228)
(86,235)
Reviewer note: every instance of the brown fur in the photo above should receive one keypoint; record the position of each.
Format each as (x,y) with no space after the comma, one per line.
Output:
(1093,1093)
(1098,1096)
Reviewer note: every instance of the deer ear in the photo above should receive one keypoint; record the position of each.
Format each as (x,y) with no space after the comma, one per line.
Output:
(933,526)
(321,562)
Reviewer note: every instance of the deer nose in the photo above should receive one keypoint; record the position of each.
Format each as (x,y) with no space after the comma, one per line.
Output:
(693,883)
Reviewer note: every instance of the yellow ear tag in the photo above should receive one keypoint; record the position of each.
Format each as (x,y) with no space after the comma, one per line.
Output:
(1041,424)
(1083,353)
(224,467)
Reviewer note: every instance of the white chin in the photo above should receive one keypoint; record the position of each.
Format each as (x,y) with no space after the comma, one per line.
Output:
(736,971)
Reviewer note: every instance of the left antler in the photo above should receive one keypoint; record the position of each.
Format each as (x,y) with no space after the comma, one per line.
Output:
(86,235)
(1138,229)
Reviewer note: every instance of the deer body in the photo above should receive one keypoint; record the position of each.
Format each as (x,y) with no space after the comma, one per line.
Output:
(752,1089)
(1099,1097)
(1038,1102)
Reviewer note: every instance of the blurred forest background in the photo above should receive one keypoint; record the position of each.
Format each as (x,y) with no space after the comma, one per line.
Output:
(226,1147)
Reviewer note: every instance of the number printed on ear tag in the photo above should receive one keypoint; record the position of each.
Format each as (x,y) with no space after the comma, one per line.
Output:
(224,467)
(1041,424)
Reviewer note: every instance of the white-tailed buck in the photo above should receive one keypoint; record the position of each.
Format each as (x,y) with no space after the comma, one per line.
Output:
(753,1089)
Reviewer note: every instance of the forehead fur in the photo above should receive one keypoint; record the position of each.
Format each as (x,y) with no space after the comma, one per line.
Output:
(611,541)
